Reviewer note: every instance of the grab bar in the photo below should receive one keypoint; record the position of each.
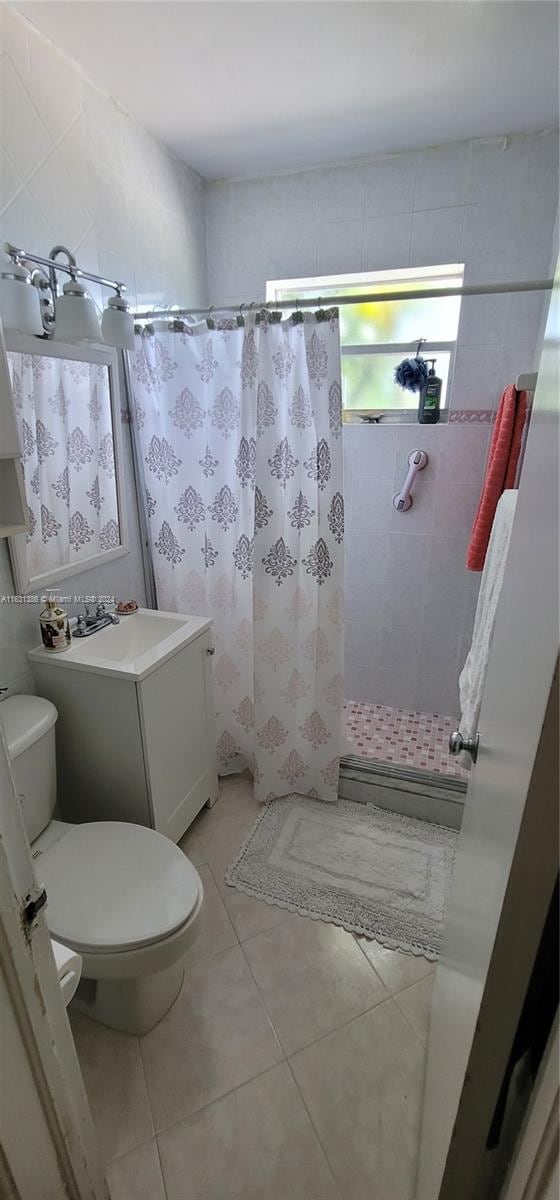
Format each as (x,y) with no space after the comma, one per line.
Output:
(417,460)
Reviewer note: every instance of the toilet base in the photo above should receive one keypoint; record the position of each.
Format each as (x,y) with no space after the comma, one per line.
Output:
(130,1005)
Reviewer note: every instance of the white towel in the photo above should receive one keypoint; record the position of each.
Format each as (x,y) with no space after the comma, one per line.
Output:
(473,675)
(69,967)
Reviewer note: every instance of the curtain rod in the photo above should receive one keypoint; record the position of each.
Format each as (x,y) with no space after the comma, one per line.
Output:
(475,289)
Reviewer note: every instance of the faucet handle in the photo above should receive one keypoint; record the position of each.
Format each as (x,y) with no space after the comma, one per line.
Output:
(100,610)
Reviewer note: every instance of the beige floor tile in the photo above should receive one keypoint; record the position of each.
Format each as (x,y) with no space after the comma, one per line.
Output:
(416,1003)
(216,1037)
(247,915)
(191,845)
(397,970)
(225,825)
(257,1143)
(363,1087)
(221,832)
(137,1176)
(312,977)
(114,1080)
(214,930)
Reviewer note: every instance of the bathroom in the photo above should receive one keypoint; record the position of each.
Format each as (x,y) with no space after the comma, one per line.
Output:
(231,1092)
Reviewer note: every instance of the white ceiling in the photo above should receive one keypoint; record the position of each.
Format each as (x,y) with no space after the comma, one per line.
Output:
(237,88)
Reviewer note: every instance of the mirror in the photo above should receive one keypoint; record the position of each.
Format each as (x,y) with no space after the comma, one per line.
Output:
(67,406)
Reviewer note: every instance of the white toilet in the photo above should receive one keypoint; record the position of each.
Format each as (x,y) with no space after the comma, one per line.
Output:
(125,897)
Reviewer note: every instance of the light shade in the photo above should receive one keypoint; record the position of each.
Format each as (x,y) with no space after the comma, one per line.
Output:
(117,325)
(20,306)
(76,315)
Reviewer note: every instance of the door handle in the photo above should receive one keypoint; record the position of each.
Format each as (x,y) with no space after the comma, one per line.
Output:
(470,745)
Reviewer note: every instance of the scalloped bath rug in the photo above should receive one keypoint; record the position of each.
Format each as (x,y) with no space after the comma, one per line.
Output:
(371,871)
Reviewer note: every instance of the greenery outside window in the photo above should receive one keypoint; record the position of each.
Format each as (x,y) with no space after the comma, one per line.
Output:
(376,336)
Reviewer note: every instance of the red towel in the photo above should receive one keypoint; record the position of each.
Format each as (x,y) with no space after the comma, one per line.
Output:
(501,470)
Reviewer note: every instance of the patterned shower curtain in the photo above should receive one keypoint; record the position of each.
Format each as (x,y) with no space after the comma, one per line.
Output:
(240,435)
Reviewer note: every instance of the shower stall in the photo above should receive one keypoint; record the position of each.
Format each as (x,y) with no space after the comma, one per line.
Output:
(410,601)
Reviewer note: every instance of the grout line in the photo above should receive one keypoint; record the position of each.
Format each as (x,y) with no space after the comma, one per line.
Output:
(211,1103)
(424,1045)
(314,1127)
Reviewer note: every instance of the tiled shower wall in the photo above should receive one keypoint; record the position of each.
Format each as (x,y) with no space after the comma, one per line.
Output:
(75,169)
(490,204)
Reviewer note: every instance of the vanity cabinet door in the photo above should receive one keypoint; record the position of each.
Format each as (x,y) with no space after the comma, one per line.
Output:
(177,716)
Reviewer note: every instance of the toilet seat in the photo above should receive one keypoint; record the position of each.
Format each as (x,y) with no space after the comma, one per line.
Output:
(114,887)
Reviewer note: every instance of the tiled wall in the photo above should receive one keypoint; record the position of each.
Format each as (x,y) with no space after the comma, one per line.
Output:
(490,204)
(75,169)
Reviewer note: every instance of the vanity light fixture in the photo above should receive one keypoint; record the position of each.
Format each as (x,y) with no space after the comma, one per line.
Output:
(117,324)
(76,315)
(30,300)
(20,307)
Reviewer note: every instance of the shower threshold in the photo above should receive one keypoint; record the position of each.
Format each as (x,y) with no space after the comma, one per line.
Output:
(398,759)
(426,795)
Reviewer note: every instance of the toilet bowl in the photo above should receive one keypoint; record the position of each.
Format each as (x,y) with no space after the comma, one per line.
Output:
(123,896)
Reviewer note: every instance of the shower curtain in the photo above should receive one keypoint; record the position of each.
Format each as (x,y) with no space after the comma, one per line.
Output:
(240,435)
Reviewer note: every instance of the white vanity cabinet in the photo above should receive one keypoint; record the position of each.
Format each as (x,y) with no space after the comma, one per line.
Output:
(133,744)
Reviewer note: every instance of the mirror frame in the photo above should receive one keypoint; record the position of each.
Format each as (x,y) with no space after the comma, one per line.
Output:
(103,356)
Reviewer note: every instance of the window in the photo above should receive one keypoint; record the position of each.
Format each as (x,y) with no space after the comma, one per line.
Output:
(375,337)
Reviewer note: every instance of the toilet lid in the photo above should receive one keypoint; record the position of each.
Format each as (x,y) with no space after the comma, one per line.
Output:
(115,886)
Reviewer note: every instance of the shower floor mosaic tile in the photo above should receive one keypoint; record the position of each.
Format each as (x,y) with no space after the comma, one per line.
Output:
(401,737)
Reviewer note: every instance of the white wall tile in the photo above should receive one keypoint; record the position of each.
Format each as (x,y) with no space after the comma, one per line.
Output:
(455,508)
(13,39)
(340,247)
(386,242)
(370,503)
(537,217)
(22,223)
(254,204)
(56,194)
(73,152)
(369,451)
(53,86)
(483,319)
(542,152)
(441,176)
(10,181)
(476,377)
(436,236)
(389,185)
(498,169)
(341,197)
(489,242)
(463,453)
(23,134)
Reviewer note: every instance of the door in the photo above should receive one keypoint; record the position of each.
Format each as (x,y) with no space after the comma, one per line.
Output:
(47,1146)
(506,862)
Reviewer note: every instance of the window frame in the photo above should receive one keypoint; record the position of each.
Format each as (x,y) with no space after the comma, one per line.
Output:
(312,285)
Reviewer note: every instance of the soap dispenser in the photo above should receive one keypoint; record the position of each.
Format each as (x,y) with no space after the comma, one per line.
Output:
(430,397)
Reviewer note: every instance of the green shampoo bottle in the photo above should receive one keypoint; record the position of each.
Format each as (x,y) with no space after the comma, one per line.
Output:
(430,397)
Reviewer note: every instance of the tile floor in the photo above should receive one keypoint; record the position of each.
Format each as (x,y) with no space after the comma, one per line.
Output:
(290,1068)
(402,737)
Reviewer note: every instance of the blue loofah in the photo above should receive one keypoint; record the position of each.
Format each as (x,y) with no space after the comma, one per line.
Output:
(411,374)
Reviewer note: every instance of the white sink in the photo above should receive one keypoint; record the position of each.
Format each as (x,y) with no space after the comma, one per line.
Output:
(131,649)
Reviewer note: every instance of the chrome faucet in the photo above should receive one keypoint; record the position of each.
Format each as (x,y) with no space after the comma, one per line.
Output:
(88,624)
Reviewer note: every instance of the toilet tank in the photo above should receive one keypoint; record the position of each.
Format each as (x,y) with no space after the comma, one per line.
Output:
(28,723)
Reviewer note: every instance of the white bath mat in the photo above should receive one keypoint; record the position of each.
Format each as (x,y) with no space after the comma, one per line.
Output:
(373,872)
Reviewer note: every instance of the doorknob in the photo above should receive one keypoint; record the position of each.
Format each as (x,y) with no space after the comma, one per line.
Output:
(470,745)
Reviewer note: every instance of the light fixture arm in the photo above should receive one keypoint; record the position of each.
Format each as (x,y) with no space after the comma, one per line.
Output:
(72,269)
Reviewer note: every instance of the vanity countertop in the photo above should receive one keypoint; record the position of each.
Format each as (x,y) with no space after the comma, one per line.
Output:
(134,648)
